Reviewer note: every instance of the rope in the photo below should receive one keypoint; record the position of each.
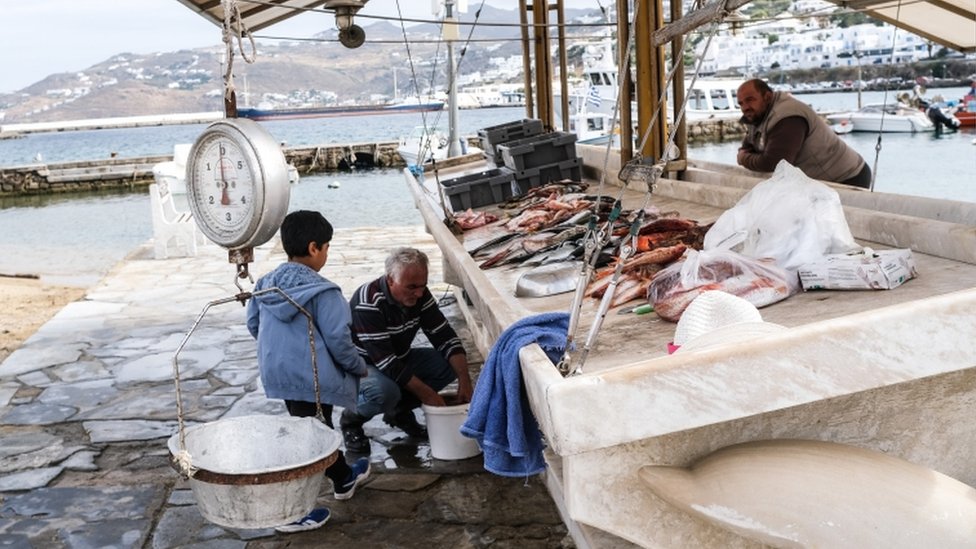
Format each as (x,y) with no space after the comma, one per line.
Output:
(595,240)
(232,14)
(416,85)
(884,100)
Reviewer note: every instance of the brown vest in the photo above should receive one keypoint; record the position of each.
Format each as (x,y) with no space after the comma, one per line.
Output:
(823,155)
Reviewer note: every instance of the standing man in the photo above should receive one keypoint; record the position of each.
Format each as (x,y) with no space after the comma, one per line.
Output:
(387,313)
(778,127)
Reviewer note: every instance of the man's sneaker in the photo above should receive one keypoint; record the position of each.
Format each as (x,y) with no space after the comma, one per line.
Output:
(315,519)
(356,440)
(406,421)
(360,472)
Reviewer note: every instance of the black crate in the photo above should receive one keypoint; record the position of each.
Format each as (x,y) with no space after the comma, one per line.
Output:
(540,150)
(493,136)
(479,189)
(543,175)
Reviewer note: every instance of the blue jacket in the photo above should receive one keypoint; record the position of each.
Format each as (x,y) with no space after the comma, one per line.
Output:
(281,330)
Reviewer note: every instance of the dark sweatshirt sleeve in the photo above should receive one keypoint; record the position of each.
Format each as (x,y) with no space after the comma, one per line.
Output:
(783,142)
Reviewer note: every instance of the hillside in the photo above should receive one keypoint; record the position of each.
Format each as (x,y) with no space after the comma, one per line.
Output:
(285,72)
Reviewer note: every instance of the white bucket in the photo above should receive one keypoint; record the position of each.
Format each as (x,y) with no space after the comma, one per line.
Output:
(443,428)
(258,471)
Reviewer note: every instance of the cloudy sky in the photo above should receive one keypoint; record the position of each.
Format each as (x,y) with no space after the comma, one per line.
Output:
(41,37)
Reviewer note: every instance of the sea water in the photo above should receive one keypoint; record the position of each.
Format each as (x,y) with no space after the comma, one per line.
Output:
(75,239)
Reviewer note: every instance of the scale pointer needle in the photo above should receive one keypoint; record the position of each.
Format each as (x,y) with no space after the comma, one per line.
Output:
(224,196)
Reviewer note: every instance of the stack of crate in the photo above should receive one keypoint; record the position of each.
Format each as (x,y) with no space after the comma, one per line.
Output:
(541,159)
(479,189)
(493,136)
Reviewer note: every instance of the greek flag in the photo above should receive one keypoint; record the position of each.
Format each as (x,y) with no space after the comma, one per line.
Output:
(593,97)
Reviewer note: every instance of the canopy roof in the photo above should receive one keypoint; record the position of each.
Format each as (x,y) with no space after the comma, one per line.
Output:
(951,23)
(254,16)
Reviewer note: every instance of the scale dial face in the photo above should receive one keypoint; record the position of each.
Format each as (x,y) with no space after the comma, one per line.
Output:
(237,183)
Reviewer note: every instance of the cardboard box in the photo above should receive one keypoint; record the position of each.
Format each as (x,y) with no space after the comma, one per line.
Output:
(866,270)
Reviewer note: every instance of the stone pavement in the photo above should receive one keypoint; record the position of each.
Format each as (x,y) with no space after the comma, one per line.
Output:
(88,402)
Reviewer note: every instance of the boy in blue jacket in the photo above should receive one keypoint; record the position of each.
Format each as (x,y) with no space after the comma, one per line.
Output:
(284,356)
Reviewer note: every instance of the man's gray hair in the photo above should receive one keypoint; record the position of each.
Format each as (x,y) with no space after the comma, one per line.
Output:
(400,258)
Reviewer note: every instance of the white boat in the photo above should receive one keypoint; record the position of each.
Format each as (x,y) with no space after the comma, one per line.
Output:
(708,98)
(589,125)
(885,118)
(425,145)
(172,173)
(842,127)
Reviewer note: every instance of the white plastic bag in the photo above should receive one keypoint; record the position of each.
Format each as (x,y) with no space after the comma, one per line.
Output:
(758,281)
(789,217)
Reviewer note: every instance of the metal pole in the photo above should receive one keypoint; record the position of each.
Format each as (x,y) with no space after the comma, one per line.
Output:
(678,85)
(454,139)
(561,34)
(526,61)
(543,64)
(624,82)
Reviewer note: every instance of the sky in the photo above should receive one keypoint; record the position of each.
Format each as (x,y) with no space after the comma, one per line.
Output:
(41,37)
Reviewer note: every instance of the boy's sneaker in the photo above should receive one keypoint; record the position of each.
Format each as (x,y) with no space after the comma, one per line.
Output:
(360,472)
(315,519)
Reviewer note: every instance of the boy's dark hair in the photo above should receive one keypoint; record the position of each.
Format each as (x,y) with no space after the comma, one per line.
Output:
(302,227)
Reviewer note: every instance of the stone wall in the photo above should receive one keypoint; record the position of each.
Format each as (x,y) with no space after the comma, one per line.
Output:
(129,173)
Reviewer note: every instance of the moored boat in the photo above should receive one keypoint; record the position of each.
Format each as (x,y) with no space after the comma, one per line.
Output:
(885,118)
(274,113)
(426,144)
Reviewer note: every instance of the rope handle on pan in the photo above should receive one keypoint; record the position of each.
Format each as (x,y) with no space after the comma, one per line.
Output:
(891,63)
(232,14)
(183,459)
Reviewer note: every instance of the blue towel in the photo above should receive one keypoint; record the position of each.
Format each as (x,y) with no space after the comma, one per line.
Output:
(499,416)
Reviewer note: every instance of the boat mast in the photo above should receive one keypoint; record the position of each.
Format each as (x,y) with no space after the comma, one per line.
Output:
(450,34)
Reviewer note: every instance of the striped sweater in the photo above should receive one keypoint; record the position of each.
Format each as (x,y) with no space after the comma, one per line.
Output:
(383,330)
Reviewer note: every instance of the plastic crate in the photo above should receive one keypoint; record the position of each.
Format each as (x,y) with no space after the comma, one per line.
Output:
(493,136)
(479,189)
(540,150)
(536,177)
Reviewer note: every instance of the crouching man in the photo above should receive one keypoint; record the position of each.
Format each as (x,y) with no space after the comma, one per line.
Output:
(387,313)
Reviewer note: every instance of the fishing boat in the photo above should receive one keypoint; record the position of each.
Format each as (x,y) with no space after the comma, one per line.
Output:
(277,113)
(425,145)
(966,113)
(709,98)
(884,118)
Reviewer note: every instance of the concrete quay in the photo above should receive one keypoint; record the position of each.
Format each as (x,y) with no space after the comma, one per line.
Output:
(88,402)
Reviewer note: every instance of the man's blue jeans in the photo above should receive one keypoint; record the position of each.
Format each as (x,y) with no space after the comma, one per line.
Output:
(380,394)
